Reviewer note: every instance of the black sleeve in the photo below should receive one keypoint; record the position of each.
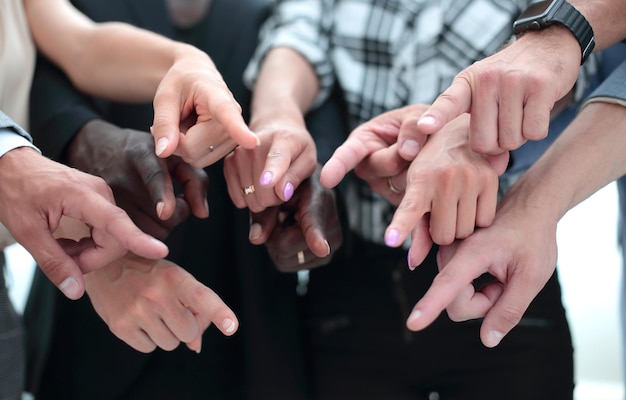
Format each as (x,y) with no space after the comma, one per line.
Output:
(57,110)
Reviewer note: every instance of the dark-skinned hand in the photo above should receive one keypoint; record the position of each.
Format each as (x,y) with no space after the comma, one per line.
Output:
(142,183)
(307,224)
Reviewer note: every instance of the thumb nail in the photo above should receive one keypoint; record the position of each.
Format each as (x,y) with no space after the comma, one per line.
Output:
(70,288)
(161,145)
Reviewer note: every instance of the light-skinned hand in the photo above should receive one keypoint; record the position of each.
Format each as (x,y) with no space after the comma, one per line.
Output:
(37,192)
(156,303)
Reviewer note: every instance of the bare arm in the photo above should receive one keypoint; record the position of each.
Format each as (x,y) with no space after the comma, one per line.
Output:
(113,60)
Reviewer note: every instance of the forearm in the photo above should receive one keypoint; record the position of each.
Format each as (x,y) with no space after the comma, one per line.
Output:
(111,60)
(588,155)
(287,85)
(607,19)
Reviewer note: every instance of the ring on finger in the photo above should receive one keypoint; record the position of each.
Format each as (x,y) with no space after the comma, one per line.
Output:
(301,258)
(392,187)
(248,190)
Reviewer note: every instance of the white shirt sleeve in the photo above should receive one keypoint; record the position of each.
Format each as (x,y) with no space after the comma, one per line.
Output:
(9,140)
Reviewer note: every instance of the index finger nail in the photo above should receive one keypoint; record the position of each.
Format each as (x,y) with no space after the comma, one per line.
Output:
(228,325)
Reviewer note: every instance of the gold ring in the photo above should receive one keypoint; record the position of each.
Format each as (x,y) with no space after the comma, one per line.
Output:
(393,187)
(248,190)
(301,257)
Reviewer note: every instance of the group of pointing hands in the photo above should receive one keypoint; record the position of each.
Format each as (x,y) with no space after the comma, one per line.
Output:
(482,116)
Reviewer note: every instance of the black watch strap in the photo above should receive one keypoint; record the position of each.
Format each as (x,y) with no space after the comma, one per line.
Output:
(545,13)
(568,16)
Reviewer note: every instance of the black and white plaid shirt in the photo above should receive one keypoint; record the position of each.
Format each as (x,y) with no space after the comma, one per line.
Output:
(386,54)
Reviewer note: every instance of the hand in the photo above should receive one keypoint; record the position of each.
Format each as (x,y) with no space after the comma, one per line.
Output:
(510,94)
(141,182)
(302,233)
(36,193)
(449,190)
(195,114)
(518,249)
(372,145)
(156,303)
(274,170)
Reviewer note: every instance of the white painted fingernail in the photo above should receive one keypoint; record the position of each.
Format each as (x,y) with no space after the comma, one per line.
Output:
(228,325)
(70,288)
(494,338)
(161,145)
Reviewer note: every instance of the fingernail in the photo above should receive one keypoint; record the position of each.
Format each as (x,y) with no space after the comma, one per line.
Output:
(327,247)
(427,120)
(288,191)
(415,315)
(228,325)
(408,261)
(266,178)
(391,237)
(206,207)
(199,349)
(494,338)
(410,148)
(258,140)
(161,145)
(255,231)
(158,242)
(159,208)
(70,288)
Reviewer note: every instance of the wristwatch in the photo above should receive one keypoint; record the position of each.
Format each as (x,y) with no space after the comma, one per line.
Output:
(545,13)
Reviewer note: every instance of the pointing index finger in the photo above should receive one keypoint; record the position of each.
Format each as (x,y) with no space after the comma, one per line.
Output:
(454,101)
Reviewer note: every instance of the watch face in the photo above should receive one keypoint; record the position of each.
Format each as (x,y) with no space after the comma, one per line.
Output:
(537,10)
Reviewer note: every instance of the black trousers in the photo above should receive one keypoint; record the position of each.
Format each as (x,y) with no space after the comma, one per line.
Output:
(11,344)
(360,348)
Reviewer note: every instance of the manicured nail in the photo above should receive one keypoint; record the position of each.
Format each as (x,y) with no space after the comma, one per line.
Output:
(410,148)
(161,145)
(199,349)
(159,208)
(408,260)
(327,248)
(255,232)
(427,120)
(288,191)
(494,338)
(266,178)
(415,315)
(228,325)
(206,207)
(391,237)
(70,288)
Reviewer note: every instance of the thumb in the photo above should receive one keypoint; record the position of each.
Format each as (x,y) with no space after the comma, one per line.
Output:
(57,265)
(166,125)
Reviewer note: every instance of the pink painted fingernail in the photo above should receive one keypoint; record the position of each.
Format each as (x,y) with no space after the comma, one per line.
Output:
(266,178)
(408,261)
(391,237)
(288,191)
